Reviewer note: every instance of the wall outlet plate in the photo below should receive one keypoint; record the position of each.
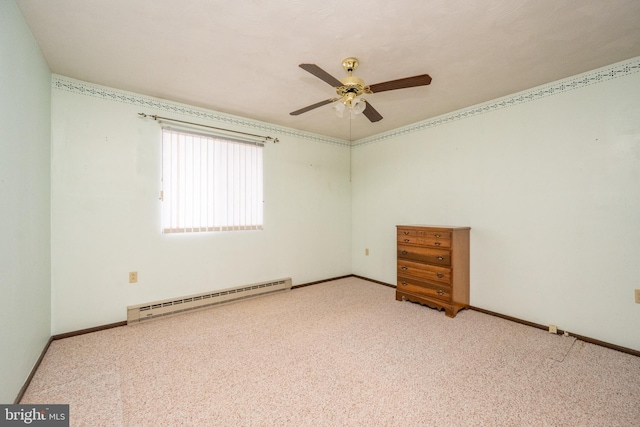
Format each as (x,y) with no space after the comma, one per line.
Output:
(553,329)
(133,277)
(637,296)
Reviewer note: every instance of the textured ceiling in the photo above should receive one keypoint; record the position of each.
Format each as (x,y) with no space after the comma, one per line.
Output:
(241,57)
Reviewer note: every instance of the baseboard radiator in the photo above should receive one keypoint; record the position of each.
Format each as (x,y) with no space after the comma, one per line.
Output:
(141,312)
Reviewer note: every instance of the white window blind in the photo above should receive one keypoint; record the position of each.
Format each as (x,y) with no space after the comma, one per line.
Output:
(210,183)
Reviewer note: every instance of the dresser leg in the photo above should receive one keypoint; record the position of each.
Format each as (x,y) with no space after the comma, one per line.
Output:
(453,310)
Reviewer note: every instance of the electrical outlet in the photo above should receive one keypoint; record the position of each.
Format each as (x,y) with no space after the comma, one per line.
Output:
(366,252)
(133,277)
(637,296)
(553,329)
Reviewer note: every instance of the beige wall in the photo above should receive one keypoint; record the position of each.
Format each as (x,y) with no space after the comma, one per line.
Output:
(550,188)
(106,213)
(25,280)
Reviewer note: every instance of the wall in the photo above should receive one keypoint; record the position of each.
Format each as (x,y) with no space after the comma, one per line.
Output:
(25,199)
(549,182)
(106,212)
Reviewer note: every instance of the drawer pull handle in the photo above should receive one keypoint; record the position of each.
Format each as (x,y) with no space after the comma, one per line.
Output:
(437,243)
(440,275)
(406,232)
(407,240)
(440,293)
(403,252)
(404,267)
(440,258)
(404,283)
(438,235)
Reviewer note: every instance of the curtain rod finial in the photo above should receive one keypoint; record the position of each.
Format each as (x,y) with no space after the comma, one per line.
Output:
(142,114)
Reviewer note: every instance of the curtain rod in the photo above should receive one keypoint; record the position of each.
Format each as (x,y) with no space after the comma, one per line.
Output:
(154,117)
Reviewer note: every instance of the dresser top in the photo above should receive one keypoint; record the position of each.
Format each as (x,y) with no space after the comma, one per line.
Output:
(443,227)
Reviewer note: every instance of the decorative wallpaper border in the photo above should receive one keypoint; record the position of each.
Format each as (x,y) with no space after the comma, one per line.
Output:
(89,89)
(599,75)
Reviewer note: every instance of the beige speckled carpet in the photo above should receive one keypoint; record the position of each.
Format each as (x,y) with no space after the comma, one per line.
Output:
(341,353)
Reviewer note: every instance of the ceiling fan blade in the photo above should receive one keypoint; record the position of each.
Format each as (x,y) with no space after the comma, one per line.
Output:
(321,74)
(421,80)
(311,107)
(371,113)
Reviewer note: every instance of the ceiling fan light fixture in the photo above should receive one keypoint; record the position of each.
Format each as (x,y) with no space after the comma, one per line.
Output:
(358,105)
(351,103)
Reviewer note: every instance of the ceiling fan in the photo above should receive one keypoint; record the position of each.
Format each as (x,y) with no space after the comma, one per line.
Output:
(351,87)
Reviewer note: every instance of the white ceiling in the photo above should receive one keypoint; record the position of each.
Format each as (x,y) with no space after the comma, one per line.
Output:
(241,57)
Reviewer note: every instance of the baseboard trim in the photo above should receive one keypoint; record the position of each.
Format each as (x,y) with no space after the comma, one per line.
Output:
(546,328)
(513,319)
(374,281)
(88,330)
(32,373)
(320,281)
(342,277)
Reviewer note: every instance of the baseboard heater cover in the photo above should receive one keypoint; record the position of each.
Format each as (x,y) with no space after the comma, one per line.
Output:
(141,312)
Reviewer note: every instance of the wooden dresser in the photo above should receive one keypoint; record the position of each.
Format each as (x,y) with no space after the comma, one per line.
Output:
(433,266)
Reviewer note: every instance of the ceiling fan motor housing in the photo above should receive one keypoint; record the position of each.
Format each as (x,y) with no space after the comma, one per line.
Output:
(353,85)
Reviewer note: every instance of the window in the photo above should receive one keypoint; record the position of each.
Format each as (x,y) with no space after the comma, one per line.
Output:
(210,183)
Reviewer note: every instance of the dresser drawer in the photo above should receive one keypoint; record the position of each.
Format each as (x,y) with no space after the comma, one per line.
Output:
(424,237)
(424,254)
(424,271)
(424,232)
(424,241)
(432,290)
